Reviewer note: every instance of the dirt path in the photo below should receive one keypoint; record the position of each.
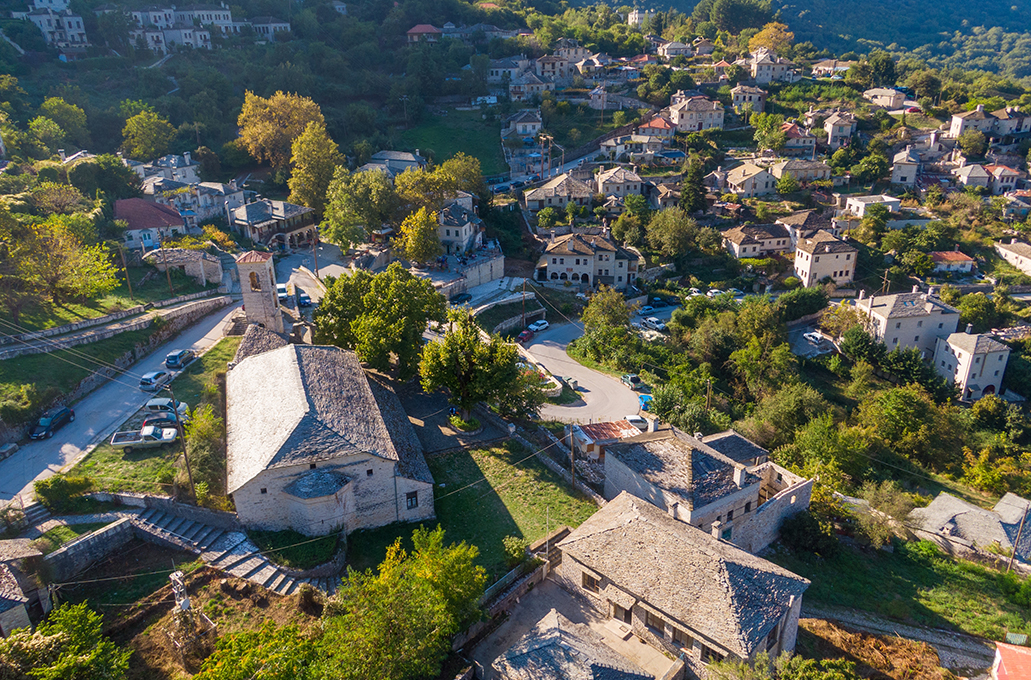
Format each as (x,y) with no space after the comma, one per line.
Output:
(960,653)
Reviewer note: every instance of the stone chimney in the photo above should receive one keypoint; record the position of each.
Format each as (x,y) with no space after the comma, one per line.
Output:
(186,157)
(916,288)
(862,294)
(698,436)
(930,291)
(60,152)
(673,509)
(980,107)
(552,239)
(716,526)
(970,329)
(653,424)
(739,475)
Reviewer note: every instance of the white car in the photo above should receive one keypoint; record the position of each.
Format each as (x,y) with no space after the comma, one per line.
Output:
(813,337)
(713,292)
(282,292)
(735,292)
(538,326)
(638,422)
(653,323)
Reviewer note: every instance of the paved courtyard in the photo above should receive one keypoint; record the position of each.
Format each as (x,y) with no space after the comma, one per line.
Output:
(428,414)
(548,595)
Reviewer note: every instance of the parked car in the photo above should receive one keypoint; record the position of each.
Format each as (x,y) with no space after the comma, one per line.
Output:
(51,421)
(538,326)
(713,292)
(161,420)
(735,292)
(659,302)
(501,188)
(645,401)
(694,291)
(813,337)
(164,405)
(583,297)
(516,184)
(282,292)
(153,381)
(647,309)
(146,438)
(302,299)
(525,337)
(179,358)
(632,380)
(461,298)
(654,324)
(914,109)
(637,421)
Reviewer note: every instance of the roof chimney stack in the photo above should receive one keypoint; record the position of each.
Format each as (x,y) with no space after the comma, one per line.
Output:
(980,107)
(716,526)
(739,475)
(970,329)
(916,288)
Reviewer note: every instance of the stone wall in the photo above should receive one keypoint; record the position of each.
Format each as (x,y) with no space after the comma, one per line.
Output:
(69,328)
(764,526)
(543,457)
(14,618)
(517,321)
(80,554)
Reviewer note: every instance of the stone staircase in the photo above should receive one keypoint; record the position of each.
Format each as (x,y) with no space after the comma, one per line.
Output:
(229,551)
(35,513)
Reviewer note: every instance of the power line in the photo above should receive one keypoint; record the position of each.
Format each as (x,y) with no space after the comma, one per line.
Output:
(69,361)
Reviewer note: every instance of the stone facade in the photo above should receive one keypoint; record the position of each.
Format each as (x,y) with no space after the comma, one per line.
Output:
(79,555)
(258,284)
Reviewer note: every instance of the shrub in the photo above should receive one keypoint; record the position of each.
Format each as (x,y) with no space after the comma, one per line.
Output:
(803,532)
(464,425)
(792,282)
(515,550)
(800,302)
(57,493)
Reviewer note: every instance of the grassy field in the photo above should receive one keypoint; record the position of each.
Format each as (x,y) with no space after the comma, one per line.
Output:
(459,131)
(913,584)
(482,496)
(153,470)
(62,534)
(282,547)
(490,318)
(49,316)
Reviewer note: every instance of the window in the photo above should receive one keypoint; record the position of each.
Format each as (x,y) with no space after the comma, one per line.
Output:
(919,324)
(940,325)
(898,324)
(654,622)
(412,500)
(255,283)
(590,583)
(772,638)
(311,466)
(996,373)
(726,533)
(682,639)
(977,360)
(710,655)
(730,515)
(916,338)
(561,260)
(748,506)
(264,490)
(368,473)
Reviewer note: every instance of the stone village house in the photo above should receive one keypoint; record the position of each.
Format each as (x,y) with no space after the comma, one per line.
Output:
(315,445)
(589,260)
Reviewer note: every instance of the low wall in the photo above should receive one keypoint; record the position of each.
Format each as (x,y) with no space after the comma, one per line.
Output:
(805,320)
(561,471)
(517,320)
(183,298)
(958,548)
(87,550)
(69,328)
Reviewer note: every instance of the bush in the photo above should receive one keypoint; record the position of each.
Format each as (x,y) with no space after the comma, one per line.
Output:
(58,493)
(464,425)
(803,532)
(515,550)
(800,302)
(792,282)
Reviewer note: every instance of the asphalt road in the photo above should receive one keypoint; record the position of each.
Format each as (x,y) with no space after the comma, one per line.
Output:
(99,414)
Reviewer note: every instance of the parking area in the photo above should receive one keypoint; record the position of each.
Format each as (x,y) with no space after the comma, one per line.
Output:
(808,347)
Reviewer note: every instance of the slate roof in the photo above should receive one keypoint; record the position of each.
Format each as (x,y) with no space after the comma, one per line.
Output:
(585,244)
(252,256)
(902,305)
(907,155)
(558,649)
(708,585)
(258,340)
(16,549)
(824,242)
(141,214)
(11,594)
(806,219)
(403,156)
(952,516)
(524,116)
(454,214)
(748,89)
(796,165)
(976,114)
(1017,248)
(177,256)
(754,233)
(736,447)
(563,185)
(976,343)
(618,174)
(744,172)
(681,465)
(266,209)
(974,170)
(303,404)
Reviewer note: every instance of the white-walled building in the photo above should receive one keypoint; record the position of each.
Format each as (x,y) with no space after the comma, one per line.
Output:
(839,126)
(756,240)
(696,113)
(749,180)
(1017,253)
(824,256)
(459,226)
(620,182)
(589,260)
(952,261)
(974,363)
(858,205)
(909,319)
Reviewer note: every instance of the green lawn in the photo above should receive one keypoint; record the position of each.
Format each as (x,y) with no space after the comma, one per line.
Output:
(153,470)
(490,318)
(482,496)
(45,315)
(913,584)
(459,131)
(282,548)
(62,534)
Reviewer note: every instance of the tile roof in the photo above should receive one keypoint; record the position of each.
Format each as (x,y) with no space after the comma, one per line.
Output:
(301,404)
(997,170)
(736,447)
(824,242)
(657,123)
(950,256)
(744,172)
(252,256)
(978,343)
(794,131)
(1014,662)
(616,429)
(424,28)
(680,464)
(711,586)
(806,219)
(11,594)
(141,214)
(753,233)
(558,649)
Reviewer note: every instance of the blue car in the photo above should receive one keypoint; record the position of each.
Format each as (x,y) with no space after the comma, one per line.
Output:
(644,401)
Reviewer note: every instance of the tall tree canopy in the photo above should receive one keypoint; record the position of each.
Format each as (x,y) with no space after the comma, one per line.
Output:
(357,204)
(268,127)
(315,159)
(146,135)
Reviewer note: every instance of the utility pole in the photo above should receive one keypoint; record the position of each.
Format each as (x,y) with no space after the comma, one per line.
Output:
(572,460)
(168,274)
(404,101)
(524,302)
(315,251)
(708,394)
(884,284)
(1016,542)
(125,269)
(182,440)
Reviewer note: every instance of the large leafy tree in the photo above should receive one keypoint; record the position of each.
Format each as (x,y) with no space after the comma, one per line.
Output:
(269,653)
(774,36)
(315,159)
(356,205)
(671,232)
(68,645)
(692,189)
(764,365)
(70,117)
(472,369)
(382,317)
(146,135)
(105,173)
(451,570)
(268,127)
(419,239)
(768,134)
(607,309)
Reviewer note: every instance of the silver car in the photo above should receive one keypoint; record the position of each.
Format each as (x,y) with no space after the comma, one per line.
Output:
(153,381)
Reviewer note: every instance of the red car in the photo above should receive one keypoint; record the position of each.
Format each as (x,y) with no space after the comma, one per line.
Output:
(913,109)
(525,337)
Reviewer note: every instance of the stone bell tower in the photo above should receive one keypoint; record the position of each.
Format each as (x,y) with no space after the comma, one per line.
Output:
(258,283)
